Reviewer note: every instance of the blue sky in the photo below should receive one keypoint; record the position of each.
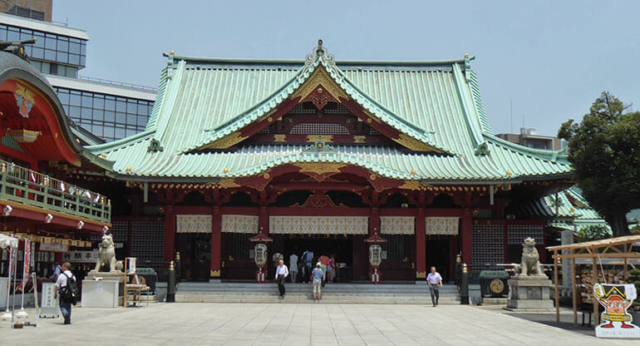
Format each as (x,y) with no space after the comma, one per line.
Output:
(550,58)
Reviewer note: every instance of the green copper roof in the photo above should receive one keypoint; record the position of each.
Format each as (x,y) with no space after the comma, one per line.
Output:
(438,103)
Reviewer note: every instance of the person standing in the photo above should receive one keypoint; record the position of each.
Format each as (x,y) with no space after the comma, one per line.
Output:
(330,268)
(281,274)
(318,276)
(63,283)
(293,265)
(434,280)
(303,262)
(56,273)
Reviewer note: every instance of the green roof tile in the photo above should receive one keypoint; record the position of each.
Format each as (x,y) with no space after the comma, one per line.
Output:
(202,100)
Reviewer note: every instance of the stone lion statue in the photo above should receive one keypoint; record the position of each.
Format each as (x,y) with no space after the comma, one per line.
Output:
(107,256)
(530,265)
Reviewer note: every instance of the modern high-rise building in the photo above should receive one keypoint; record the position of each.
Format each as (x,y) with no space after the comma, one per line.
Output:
(100,110)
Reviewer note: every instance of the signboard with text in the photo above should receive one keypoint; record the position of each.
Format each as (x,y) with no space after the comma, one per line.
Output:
(81,256)
(49,303)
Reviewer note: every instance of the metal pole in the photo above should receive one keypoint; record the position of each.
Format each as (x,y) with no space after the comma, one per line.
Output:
(13,305)
(9,277)
(464,285)
(575,297)
(555,275)
(12,252)
(171,284)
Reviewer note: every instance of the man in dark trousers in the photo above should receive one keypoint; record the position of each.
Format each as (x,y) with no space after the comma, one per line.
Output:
(281,274)
(434,280)
(61,283)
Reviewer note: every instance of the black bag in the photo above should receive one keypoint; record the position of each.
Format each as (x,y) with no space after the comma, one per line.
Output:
(69,293)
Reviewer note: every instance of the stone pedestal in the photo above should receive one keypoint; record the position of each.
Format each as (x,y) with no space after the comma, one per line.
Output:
(100,294)
(530,294)
(117,276)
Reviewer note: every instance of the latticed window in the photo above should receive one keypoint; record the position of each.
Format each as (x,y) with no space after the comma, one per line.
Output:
(147,243)
(236,245)
(395,246)
(319,129)
(488,244)
(339,109)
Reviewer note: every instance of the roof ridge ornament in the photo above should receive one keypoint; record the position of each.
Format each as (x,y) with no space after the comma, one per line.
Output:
(319,53)
(17,47)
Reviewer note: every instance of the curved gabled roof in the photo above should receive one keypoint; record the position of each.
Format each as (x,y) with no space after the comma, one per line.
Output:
(13,67)
(437,103)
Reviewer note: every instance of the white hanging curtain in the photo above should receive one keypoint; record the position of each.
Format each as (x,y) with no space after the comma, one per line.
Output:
(442,225)
(193,223)
(350,225)
(7,241)
(397,225)
(240,224)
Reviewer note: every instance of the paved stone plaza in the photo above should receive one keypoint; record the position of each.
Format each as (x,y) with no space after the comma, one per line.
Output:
(293,324)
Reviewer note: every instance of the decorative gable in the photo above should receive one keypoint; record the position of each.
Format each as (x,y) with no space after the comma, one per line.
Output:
(319,83)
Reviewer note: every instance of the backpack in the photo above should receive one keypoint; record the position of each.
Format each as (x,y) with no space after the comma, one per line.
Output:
(69,293)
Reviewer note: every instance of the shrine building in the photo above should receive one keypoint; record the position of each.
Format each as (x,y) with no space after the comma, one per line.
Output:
(320,154)
(38,199)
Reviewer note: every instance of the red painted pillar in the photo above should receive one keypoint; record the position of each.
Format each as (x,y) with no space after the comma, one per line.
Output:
(421,240)
(169,232)
(216,242)
(263,221)
(374,221)
(467,235)
(263,226)
(374,227)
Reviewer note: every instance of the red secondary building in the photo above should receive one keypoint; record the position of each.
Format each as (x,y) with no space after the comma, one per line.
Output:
(38,155)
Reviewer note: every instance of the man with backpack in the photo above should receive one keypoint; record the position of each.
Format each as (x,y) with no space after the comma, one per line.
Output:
(67,289)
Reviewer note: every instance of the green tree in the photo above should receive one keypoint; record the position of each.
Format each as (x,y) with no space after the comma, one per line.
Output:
(593,232)
(604,150)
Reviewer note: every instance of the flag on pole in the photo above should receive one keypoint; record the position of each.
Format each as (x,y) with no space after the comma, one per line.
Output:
(27,263)
(12,261)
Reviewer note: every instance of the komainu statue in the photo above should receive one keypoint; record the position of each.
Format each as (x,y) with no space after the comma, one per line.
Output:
(530,265)
(107,256)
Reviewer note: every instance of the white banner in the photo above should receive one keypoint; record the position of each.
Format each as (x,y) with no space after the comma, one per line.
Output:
(397,225)
(54,247)
(442,225)
(193,223)
(319,225)
(240,224)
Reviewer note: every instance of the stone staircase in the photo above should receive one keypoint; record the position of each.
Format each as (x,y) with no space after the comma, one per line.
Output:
(302,293)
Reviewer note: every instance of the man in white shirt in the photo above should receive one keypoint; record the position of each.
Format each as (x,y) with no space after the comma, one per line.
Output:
(65,306)
(434,280)
(293,267)
(281,274)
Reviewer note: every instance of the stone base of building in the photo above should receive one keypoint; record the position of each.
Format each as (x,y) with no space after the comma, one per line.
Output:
(530,294)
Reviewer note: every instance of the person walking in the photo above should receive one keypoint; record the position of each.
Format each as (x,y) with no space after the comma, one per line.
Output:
(434,280)
(293,265)
(281,274)
(317,276)
(63,284)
